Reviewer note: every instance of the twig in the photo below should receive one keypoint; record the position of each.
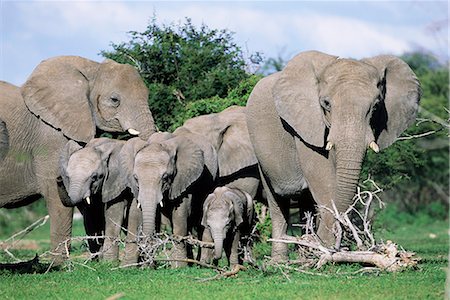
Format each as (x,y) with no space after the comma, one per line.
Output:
(233,272)
(28,229)
(194,261)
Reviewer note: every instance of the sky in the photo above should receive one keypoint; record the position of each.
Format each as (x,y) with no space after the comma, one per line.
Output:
(31,31)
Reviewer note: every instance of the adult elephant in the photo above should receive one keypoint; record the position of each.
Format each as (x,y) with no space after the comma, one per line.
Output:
(310,126)
(65,98)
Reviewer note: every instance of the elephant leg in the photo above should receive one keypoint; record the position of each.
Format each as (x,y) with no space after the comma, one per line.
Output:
(207,253)
(233,255)
(131,247)
(279,215)
(113,218)
(61,218)
(180,216)
(319,172)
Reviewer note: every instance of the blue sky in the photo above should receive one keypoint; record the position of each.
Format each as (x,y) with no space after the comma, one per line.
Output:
(31,31)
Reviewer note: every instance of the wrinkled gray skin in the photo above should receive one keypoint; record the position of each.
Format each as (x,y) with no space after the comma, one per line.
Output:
(310,126)
(236,163)
(227,217)
(93,173)
(65,98)
(168,170)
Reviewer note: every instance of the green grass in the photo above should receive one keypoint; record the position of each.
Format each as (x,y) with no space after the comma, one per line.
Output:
(98,281)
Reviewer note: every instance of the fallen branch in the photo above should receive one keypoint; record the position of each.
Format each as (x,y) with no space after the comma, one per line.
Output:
(233,272)
(353,228)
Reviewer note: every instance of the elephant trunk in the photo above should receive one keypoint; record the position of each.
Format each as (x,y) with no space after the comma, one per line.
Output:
(141,124)
(218,238)
(349,160)
(149,209)
(76,193)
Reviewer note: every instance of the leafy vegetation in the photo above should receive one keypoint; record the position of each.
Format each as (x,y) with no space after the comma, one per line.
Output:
(182,64)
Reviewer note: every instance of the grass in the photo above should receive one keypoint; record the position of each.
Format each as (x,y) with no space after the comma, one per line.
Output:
(98,281)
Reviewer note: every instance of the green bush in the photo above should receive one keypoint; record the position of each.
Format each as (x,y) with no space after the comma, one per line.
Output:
(181,64)
(237,96)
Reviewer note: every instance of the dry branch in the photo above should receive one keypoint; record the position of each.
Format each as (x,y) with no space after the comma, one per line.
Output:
(352,228)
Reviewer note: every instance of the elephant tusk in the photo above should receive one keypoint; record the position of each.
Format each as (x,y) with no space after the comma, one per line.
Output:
(329,146)
(161,203)
(133,131)
(374,147)
(138,204)
(88,200)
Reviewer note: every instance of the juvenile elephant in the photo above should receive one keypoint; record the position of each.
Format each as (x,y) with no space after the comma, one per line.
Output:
(310,126)
(171,171)
(65,98)
(227,217)
(92,173)
(227,133)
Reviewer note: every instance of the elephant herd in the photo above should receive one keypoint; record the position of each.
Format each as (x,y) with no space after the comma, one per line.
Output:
(305,127)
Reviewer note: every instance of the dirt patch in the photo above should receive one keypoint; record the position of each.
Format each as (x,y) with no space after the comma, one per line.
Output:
(20,245)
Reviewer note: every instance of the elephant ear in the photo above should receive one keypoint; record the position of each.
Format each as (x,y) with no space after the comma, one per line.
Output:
(209,152)
(235,151)
(206,205)
(4,140)
(296,96)
(126,161)
(70,148)
(115,181)
(57,92)
(239,200)
(402,92)
(189,164)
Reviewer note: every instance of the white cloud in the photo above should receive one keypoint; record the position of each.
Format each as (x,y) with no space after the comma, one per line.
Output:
(37,30)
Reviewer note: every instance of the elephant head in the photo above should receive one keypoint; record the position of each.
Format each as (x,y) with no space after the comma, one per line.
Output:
(224,211)
(92,170)
(160,170)
(228,134)
(77,95)
(341,107)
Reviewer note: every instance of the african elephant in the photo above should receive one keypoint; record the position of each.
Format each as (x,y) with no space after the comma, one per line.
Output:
(227,217)
(227,133)
(65,98)
(92,173)
(171,171)
(311,123)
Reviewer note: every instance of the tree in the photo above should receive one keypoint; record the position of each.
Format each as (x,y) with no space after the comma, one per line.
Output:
(182,64)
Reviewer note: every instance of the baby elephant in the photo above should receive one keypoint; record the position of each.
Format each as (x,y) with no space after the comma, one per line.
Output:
(227,217)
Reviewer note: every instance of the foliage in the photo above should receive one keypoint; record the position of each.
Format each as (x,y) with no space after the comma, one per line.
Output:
(181,64)
(237,96)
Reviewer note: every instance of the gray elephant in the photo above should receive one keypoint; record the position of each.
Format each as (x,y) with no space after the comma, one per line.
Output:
(171,171)
(227,133)
(227,217)
(65,98)
(92,173)
(310,126)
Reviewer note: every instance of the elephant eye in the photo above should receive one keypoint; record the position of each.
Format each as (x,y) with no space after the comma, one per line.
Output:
(325,103)
(115,101)
(165,177)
